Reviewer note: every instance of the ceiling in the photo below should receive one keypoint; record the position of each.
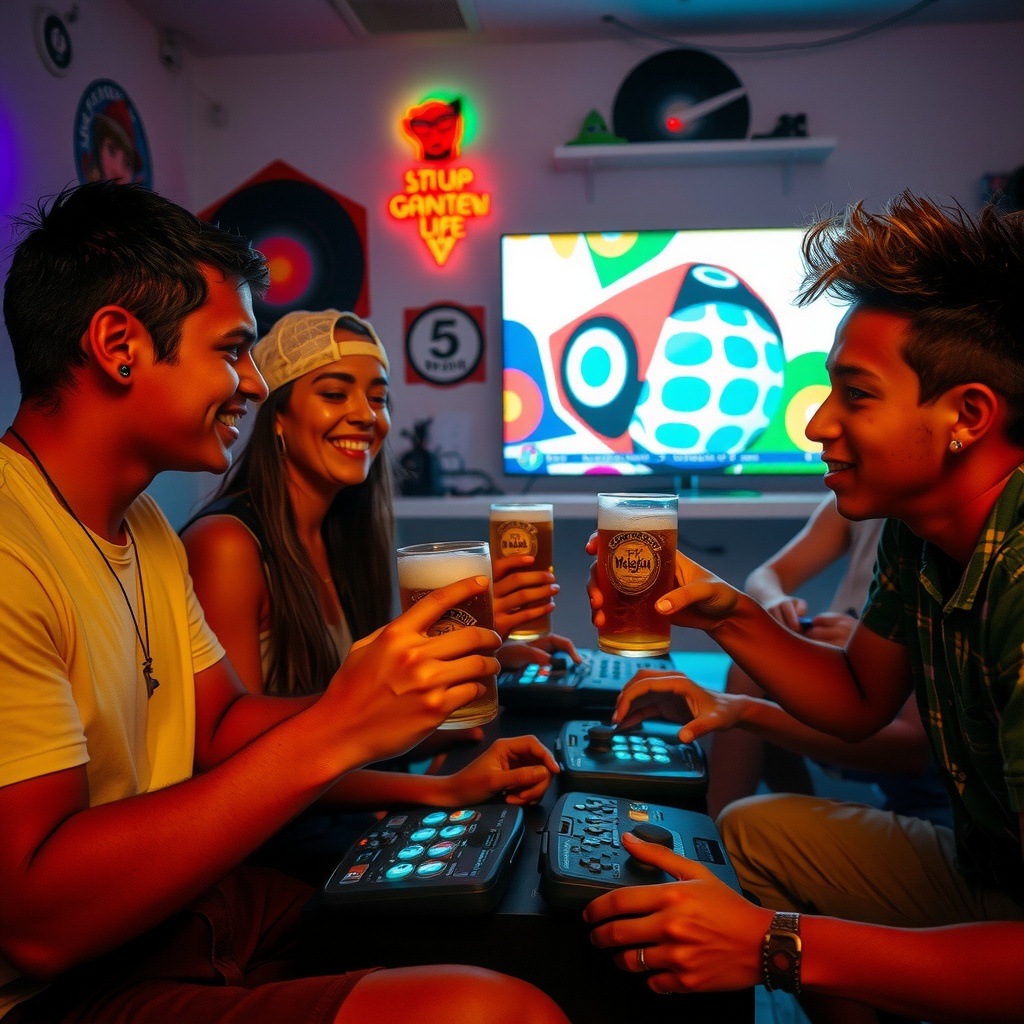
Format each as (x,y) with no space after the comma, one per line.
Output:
(248,27)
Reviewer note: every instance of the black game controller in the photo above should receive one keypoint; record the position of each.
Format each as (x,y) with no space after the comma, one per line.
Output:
(582,856)
(648,763)
(429,861)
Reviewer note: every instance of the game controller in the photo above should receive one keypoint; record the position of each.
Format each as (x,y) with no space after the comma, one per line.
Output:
(429,861)
(594,683)
(648,763)
(582,855)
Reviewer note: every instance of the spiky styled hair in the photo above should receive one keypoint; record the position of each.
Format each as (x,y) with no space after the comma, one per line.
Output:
(958,280)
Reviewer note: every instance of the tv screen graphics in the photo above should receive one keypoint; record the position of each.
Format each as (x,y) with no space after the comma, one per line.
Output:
(660,352)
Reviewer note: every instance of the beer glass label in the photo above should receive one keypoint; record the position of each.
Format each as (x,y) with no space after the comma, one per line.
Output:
(453,619)
(634,561)
(517,538)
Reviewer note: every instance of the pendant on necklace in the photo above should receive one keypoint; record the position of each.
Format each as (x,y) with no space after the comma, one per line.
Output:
(147,673)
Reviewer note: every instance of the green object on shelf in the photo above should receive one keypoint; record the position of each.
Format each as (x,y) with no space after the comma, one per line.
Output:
(594,132)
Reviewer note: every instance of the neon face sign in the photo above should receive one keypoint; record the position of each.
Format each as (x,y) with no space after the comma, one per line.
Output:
(438,197)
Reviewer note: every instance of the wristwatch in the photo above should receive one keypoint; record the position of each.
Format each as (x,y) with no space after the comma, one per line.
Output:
(780,953)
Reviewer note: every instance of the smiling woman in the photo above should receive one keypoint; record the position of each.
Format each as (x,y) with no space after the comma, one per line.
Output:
(292,562)
(297,543)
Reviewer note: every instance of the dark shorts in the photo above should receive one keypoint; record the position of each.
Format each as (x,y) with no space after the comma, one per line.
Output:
(231,957)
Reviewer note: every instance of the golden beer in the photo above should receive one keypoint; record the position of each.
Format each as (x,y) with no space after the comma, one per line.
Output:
(423,568)
(636,557)
(525,529)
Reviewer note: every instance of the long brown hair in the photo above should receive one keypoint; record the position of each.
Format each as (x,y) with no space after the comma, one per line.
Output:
(358,532)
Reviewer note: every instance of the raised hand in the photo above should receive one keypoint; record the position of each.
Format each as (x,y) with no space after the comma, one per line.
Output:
(521,594)
(398,684)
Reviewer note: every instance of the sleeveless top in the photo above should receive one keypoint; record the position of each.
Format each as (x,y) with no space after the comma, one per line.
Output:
(240,507)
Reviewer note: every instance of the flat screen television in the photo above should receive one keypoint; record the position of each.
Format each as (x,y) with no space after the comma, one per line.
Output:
(675,353)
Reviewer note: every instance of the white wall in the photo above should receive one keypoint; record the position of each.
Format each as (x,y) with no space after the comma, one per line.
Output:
(929,108)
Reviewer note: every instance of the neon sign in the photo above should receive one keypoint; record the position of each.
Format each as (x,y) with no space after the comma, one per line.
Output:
(438,198)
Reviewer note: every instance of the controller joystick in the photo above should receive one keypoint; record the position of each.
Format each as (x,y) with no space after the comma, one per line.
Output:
(650,833)
(599,737)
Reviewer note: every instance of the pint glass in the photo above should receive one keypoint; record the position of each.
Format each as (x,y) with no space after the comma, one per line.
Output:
(636,556)
(426,567)
(525,529)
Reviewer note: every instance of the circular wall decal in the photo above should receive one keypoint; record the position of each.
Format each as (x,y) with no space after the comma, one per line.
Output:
(110,142)
(681,95)
(314,250)
(53,41)
(444,344)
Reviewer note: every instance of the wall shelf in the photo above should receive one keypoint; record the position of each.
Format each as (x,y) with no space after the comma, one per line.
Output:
(784,151)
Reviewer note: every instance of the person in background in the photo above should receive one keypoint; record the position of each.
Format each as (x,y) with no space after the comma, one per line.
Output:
(136,771)
(773,746)
(861,910)
(292,559)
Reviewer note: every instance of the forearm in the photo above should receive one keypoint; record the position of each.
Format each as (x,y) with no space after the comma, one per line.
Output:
(249,716)
(378,790)
(764,586)
(108,873)
(955,974)
(812,681)
(899,747)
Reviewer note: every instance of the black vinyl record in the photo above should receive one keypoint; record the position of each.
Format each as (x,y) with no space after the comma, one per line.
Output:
(314,248)
(652,101)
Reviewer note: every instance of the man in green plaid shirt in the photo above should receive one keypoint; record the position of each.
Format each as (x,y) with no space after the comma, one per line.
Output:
(862,910)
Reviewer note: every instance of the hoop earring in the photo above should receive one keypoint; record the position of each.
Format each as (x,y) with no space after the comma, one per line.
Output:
(282,448)
(956,444)
(124,370)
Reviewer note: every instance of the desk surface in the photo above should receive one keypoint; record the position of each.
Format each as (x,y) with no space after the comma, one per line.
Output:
(522,937)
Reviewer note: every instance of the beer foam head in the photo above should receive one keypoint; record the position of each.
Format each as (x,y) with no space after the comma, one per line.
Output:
(429,569)
(637,512)
(536,513)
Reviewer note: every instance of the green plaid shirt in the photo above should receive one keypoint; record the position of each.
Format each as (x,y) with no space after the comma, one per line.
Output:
(965,637)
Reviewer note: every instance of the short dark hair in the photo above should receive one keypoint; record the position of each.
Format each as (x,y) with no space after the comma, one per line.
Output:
(103,244)
(958,280)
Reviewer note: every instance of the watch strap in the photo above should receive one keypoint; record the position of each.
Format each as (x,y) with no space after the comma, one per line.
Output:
(781,953)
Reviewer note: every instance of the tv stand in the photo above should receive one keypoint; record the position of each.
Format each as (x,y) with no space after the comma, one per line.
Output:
(689,487)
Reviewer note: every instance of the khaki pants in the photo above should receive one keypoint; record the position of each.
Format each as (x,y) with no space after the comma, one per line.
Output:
(854,862)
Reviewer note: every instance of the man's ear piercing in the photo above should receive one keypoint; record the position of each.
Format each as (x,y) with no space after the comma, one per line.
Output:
(956,444)
(124,370)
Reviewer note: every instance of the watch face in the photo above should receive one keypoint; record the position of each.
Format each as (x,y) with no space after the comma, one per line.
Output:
(782,959)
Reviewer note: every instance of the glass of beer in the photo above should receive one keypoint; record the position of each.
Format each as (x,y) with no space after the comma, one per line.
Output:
(636,559)
(520,528)
(423,568)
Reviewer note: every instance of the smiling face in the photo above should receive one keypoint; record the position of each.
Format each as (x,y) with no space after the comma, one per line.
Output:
(885,453)
(193,404)
(335,422)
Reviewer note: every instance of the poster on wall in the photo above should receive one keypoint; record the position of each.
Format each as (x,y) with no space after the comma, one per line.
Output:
(444,344)
(110,141)
(314,240)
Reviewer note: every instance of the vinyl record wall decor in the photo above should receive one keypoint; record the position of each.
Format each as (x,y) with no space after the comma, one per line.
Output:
(681,95)
(314,240)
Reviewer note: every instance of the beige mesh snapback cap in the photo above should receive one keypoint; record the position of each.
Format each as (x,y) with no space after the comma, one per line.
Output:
(302,341)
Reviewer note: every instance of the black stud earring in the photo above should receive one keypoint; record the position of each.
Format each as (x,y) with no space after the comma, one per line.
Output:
(125,371)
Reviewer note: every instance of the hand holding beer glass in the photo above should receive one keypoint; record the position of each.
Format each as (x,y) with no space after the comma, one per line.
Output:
(636,557)
(519,528)
(423,568)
